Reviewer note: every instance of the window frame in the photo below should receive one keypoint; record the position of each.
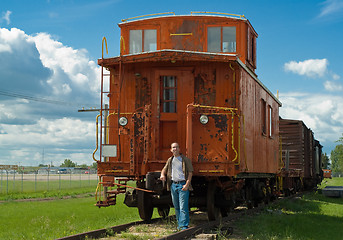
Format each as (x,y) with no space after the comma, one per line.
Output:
(143,29)
(221,36)
(251,47)
(270,121)
(162,98)
(264,125)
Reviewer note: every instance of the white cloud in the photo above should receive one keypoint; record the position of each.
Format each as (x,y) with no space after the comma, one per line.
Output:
(39,66)
(6,16)
(335,76)
(74,72)
(321,112)
(310,68)
(331,7)
(61,138)
(333,86)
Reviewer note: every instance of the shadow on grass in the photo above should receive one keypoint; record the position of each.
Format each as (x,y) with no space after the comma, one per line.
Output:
(320,197)
(299,218)
(296,226)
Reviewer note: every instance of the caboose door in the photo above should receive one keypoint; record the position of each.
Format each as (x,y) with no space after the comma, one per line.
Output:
(174,90)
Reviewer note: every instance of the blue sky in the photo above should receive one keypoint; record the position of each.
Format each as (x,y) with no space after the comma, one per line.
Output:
(48,70)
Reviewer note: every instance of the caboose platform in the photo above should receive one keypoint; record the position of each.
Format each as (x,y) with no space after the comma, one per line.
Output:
(333,191)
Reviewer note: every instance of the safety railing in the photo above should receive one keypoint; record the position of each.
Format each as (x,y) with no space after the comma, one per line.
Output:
(147,15)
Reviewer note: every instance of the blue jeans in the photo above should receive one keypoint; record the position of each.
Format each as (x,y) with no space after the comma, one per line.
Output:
(180,202)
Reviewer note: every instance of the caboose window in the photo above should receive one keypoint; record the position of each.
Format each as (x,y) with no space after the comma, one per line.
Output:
(150,40)
(135,41)
(270,122)
(264,116)
(221,39)
(168,94)
(143,40)
(213,39)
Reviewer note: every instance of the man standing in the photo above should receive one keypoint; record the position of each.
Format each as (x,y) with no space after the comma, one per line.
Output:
(178,172)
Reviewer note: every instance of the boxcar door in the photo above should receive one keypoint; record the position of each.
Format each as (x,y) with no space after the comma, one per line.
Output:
(175,89)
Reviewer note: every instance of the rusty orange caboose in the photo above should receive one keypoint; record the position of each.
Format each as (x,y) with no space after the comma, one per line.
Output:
(188,79)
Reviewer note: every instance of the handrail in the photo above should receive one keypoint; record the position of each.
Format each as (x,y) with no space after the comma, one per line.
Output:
(122,44)
(244,146)
(147,15)
(97,138)
(98,190)
(233,138)
(219,13)
(214,107)
(107,124)
(104,39)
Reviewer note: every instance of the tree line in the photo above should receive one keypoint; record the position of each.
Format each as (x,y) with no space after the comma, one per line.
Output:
(70,163)
(337,157)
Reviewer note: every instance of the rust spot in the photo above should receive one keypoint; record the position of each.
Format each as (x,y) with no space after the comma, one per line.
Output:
(143,92)
(220,122)
(205,89)
(202,158)
(203,147)
(117,168)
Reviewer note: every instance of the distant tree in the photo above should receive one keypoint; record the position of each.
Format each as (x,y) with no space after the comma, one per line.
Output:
(337,159)
(340,139)
(42,165)
(68,163)
(326,161)
(83,166)
(94,165)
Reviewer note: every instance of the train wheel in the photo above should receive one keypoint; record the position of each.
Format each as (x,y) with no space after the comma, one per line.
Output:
(163,211)
(224,211)
(249,197)
(213,212)
(145,207)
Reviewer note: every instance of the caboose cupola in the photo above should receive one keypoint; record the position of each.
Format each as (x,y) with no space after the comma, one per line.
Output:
(219,34)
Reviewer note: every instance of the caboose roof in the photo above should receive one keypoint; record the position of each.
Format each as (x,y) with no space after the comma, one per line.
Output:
(142,19)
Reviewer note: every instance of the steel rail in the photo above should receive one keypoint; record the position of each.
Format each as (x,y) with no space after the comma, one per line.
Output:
(103,231)
(188,233)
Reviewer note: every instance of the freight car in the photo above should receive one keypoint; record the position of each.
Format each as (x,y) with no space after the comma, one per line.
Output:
(188,79)
(327,173)
(301,154)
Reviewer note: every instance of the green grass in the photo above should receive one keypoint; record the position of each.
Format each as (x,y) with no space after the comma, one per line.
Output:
(312,216)
(43,189)
(59,218)
(31,186)
(332,182)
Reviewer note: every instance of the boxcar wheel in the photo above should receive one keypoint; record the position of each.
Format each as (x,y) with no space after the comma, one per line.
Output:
(145,207)
(163,211)
(212,211)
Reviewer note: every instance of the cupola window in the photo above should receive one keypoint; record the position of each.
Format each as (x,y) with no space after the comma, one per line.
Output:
(143,40)
(221,39)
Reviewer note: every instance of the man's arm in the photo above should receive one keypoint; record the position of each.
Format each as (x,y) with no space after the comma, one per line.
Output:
(188,182)
(163,174)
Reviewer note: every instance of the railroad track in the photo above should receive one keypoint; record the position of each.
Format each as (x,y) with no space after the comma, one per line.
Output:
(201,226)
(104,231)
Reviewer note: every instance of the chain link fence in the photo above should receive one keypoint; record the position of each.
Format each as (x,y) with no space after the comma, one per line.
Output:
(13,182)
